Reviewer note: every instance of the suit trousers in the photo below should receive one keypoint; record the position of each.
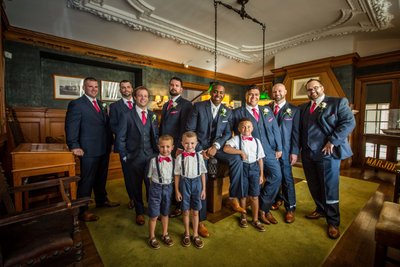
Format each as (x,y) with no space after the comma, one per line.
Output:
(93,177)
(235,162)
(137,169)
(288,190)
(273,177)
(323,182)
(128,182)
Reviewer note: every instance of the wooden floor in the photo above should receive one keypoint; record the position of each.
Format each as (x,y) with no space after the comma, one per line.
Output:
(355,248)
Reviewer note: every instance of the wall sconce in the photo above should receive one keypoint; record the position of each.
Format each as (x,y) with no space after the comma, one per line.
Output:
(165,99)
(158,101)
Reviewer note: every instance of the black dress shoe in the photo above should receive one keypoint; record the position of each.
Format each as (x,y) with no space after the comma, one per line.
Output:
(107,204)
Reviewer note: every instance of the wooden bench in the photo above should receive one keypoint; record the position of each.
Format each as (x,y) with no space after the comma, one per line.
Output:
(387,232)
(217,188)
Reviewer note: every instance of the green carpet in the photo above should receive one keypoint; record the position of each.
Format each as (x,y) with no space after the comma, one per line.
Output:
(121,242)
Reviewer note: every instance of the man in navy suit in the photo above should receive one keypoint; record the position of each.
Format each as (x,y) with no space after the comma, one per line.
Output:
(325,126)
(89,137)
(211,121)
(117,109)
(288,118)
(174,116)
(136,141)
(266,129)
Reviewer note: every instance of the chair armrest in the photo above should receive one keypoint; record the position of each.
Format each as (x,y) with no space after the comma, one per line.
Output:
(45,184)
(47,210)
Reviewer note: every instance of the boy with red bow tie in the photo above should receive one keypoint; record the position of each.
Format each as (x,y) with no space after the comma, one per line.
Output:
(161,174)
(252,153)
(190,186)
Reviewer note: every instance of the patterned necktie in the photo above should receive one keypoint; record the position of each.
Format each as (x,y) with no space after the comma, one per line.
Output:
(170,104)
(129,104)
(249,138)
(96,106)
(276,110)
(187,154)
(313,107)
(255,113)
(167,159)
(144,119)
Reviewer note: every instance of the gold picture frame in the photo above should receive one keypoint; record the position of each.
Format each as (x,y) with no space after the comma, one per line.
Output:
(67,87)
(299,90)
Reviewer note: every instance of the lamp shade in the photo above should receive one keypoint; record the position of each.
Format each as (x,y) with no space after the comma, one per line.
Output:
(157,98)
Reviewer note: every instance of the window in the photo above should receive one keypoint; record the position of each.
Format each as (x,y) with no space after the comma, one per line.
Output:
(376,118)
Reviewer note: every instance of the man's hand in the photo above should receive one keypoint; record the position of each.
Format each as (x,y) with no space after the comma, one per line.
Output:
(178,152)
(77,152)
(243,155)
(278,154)
(211,151)
(293,159)
(203,194)
(328,148)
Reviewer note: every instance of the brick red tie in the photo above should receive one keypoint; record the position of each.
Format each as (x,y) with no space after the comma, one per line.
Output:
(130,104)
(144,119)
(276,110)
(255,113)
(96,106)
(313,107)
(170,104)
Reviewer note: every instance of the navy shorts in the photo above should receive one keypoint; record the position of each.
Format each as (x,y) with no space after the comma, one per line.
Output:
(251,179)
(159,199)
(191,193)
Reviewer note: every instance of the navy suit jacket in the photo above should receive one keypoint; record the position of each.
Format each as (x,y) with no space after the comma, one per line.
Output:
(200,121)
(288,119)
(129,139)
(272,140)
(173,121)
(86,128)
(334,123)
(116,110)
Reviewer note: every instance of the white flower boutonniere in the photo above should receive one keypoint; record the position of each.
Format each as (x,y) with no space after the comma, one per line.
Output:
(174,104)
(153,118)
(223,112)
(288,112)
(265,111)
(104,105)
(322,106)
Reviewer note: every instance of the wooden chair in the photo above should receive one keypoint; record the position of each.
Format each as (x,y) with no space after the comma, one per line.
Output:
(48,235)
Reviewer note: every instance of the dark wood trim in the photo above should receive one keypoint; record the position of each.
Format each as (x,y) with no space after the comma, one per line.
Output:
(380,59)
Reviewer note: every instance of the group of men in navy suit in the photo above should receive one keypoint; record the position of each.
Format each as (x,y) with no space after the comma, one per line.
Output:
(321,136)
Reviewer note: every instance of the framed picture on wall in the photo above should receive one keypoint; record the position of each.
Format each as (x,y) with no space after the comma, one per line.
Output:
(110,91)
(299,90)
(67,87)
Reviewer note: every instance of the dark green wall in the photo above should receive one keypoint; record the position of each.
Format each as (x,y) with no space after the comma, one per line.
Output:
(29,75)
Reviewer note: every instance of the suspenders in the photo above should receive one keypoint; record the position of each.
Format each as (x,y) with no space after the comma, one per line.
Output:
(198,165)
(159,172)
(240,144)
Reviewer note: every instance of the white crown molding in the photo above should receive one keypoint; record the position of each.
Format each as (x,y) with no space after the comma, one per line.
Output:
(143,19)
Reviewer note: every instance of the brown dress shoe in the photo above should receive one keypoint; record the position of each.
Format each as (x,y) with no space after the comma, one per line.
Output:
(270,218)
(140,219)
(203,232)
(234,204)
(333,231)
(276,205)
(289,217)
(175,213)
(315,215)
(263,219)
(88,217)
(131,204)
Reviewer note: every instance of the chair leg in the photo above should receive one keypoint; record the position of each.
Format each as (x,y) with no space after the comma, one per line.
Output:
(380,255)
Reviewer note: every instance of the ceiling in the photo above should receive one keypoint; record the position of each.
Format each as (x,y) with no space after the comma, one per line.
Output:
(183,31)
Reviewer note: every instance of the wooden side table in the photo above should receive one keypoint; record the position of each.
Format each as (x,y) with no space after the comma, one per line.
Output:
(30,159)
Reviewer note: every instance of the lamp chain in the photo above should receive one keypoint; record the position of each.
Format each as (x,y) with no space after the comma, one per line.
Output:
(215,40)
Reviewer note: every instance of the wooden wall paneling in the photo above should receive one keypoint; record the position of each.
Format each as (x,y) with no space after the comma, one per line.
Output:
(55,123)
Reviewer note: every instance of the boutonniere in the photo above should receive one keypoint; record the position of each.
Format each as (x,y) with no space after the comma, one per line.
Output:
(153,118)
(265,111)
(322,106)
(223,112)
(288,112)
(174,104)
(104,106)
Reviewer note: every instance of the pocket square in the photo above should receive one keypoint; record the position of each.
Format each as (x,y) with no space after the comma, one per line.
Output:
(173,112)
(270,119)
(288,119)
(224,121)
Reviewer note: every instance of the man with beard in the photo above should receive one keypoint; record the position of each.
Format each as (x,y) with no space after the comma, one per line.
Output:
(117,109)
(288,118)
(174,116)
(325,125)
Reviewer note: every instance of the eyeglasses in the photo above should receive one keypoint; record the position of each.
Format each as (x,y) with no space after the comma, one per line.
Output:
(315,88)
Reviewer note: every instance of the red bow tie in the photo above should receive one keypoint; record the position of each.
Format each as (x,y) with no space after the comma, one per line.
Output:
(167,159)
(186,154)
(247,138)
